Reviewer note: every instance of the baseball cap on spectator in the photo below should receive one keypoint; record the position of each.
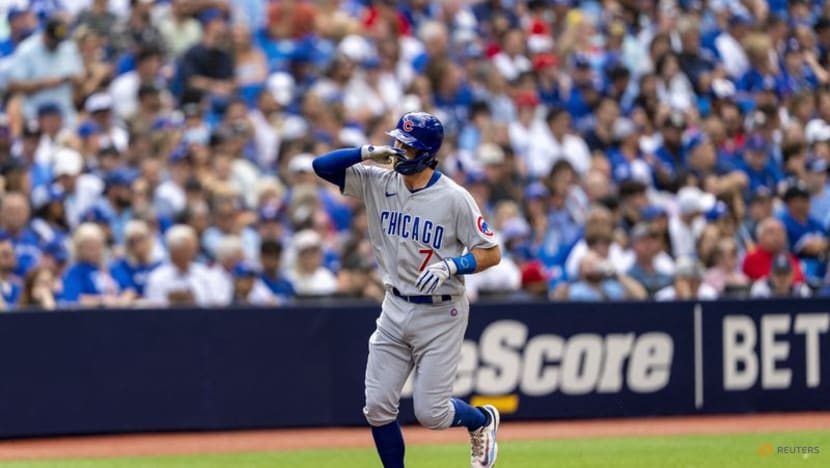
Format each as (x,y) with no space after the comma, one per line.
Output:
(641,231)
(756,142)
(192,110)
(56,28)
(817,165)
(180,154)
(307,239)
(624,128)
(269,213)
(88,128)
(301,163)
(514,228)
(49,108)
(536,190)
(211,14)
(166,122)
(722,88)
(817,130)
(244,270)
(67,162)
(717,212)
(688,267)
(196,135)
(98,102)
(652,212)
(781,265)
(14,12)
(691,200)
(796,189)
(146,89)
(355,48)
(474,177)
(281,85)
(581,61)
(526,99)
(57,250)
(122,176)
(761,193)
(543,61)
(740,19)
(490,154)
(96,214)
(676,120)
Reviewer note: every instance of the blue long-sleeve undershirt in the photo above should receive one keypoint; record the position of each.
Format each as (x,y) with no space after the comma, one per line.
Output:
(332,166)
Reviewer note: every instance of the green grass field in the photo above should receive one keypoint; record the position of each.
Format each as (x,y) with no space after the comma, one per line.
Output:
(662,452)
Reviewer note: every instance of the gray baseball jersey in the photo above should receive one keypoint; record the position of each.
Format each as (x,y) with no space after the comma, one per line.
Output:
(411,230)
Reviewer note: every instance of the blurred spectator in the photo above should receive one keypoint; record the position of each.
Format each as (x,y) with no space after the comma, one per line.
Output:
(725,277)
(55,257)
(270,255)
(248,288)
(179,29)
(22,24)
(688,283)
(41,288)
(554,141)
(646,246)
(10,287)
(208,67)
(780,282)
(87,282)
(133,269)
(807,237)
(182,281)
(44,68)
(817,183)
(772,241)
(686,226)
(137,29)
(308,275)
(598,281)
(130,88)
(14,220)
(98,18)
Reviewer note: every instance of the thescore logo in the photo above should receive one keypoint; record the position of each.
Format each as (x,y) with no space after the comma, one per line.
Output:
(506,360)
(742,353)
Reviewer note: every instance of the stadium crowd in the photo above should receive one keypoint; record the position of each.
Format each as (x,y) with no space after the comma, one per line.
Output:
(159,151)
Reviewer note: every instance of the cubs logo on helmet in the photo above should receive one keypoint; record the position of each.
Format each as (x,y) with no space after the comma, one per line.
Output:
(423,132)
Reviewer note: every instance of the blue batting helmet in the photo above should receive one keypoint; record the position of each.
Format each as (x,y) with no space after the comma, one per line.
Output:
(423,132)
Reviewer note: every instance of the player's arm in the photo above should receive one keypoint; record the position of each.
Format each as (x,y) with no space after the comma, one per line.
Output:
(332,166)
(478,259)
(486,258)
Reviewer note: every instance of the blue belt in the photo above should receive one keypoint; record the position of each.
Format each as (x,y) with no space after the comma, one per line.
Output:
(423,299)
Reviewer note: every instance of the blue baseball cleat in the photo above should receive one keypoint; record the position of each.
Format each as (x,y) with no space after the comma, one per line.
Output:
(485,449)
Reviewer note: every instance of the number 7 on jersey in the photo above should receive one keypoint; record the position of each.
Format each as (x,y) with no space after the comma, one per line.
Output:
(428,255)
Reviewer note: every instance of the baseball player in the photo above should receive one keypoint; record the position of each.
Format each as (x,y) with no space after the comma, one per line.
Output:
(420,225)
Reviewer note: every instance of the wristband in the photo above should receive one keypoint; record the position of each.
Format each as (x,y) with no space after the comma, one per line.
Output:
(466,264)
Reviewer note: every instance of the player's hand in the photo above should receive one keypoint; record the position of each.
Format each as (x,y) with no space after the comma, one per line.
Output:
(383,154)
(434,276)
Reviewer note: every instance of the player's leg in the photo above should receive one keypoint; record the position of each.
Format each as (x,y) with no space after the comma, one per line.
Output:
(437,350)
(388,366)
(436,362)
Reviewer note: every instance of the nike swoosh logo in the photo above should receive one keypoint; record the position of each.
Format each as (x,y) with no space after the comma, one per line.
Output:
(391,194)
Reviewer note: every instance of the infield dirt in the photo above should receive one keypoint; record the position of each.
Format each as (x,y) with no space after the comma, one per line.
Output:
(297,439)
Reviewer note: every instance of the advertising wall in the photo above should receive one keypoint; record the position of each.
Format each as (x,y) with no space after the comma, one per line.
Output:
(102,371)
